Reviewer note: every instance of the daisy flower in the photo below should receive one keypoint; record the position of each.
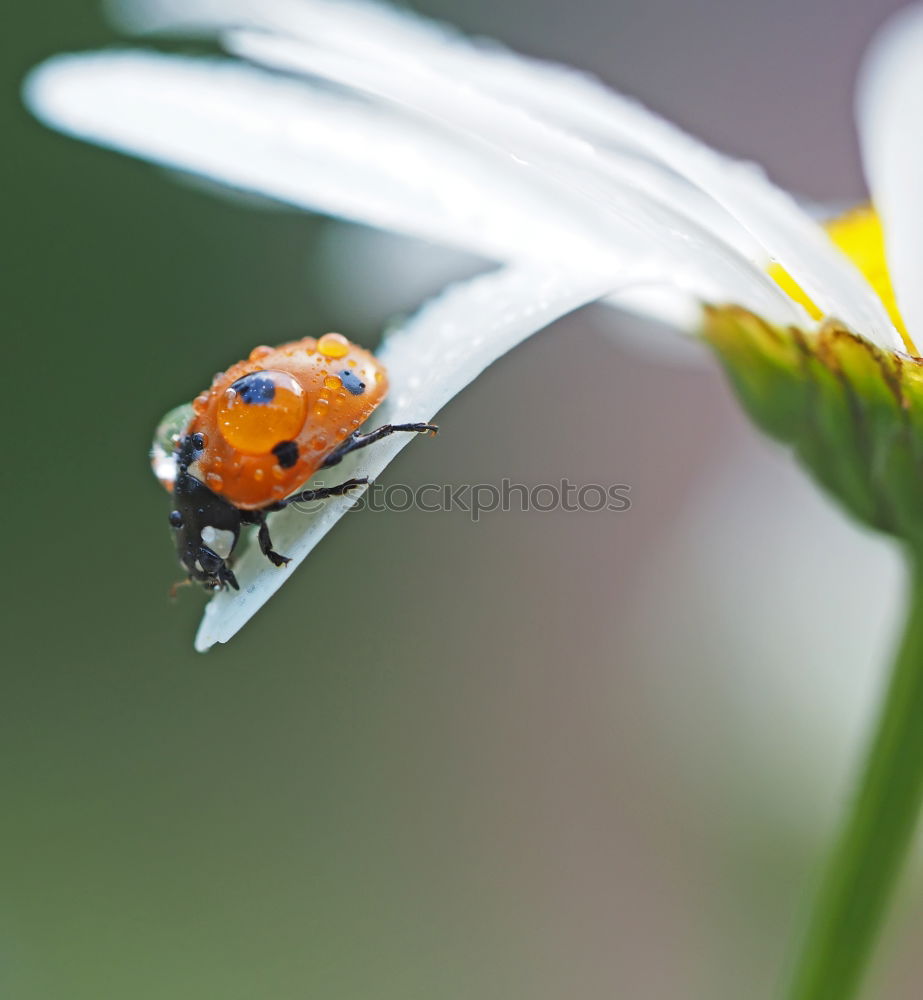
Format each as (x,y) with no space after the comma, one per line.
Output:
(373,115)
(576,194)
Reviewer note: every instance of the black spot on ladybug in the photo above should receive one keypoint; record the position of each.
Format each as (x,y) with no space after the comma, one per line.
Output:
(287,453)
(255,388)
(352,383)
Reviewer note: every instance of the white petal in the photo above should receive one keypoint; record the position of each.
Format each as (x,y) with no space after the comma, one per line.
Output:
(890,117)
(329,151)
(306,145)
(435,355)
(621,200)
(371,274)
(387,37)
(317,150)
(398,55)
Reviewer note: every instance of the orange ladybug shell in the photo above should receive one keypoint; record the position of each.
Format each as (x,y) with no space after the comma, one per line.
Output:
(270,421)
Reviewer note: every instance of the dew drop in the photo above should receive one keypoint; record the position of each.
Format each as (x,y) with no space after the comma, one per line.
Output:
(261,409)
(333,345)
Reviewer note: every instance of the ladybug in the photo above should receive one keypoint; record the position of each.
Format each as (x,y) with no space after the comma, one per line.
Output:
(246,446)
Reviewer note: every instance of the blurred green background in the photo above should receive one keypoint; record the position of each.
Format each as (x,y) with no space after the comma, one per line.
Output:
(547,755)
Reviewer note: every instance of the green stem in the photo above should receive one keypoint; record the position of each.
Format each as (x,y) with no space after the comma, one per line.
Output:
(868,857)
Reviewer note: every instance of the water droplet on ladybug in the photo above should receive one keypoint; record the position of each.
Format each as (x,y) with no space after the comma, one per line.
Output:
(261,409)
(333,345)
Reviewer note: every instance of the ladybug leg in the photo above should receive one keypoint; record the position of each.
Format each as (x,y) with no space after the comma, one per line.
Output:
(259,517)
(212,563)
(357,440)
(321,493)
(266,546)
(226,578)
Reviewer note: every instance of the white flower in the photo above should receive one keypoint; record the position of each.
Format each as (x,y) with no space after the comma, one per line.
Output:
(577,192)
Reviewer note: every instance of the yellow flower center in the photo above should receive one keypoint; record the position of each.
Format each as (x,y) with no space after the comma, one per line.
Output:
(859,235)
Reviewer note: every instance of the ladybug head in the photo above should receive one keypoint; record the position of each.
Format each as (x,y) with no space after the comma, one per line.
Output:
(206,527)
